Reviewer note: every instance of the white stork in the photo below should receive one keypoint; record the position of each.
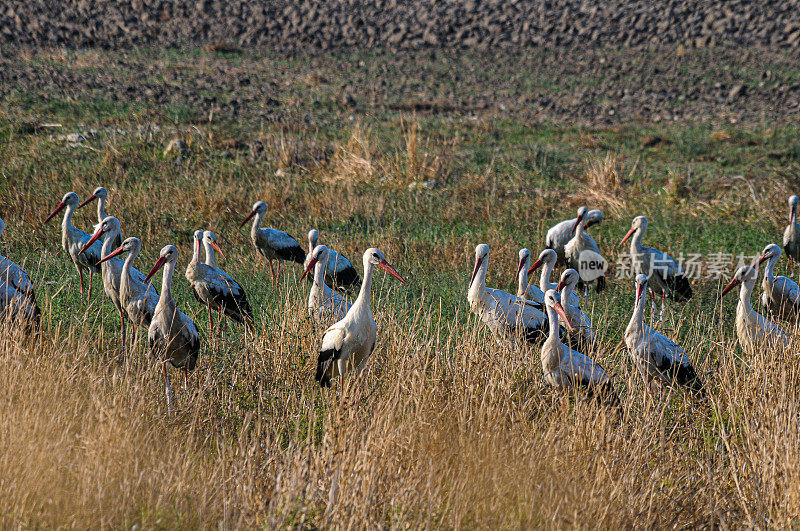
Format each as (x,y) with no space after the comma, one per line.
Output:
(340,272)
(547,261)
(753,329)
(791,235)
(507,316)
(272,243)
(561,233)
(17,295)
(212,289)
(579,322)
(101,194)
(567,368)
(657,357)
(781,296)
(524,289)
(233,299)
(138,298)
(72,240)
(173,336)
(324,304)
(352,340)
(579,243)
(667,277)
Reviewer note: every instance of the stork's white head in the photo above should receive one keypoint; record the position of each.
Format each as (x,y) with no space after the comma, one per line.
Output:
(131,245)
(318,255)
(70,199)
(99,193)
(313,238)
(744,275)
(552,299)
(375,257)
(639,223)
(770,251)
(109,225)
(197,245)
(582,212)
(211,239)
(168,254)
(593,217)
(548,256)
(524,260)
(481,258)
(259,208)
(641,286)
(569,278)
(793,202)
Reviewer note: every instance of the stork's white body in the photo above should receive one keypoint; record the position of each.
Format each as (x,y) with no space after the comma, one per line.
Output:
(339,271)
(580,243)
(791,234)
(559,234)
(580,322)
(138,299)
(272,243)
(324,304)
(753,330)
(781,296)
(17,296)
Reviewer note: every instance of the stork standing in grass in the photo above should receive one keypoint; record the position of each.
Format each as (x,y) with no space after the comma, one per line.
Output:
(781,296)
(350,342)
(658,358)
(324,304)
(173,336)
(233,299)
(791,235)
(580,243)
(561,233)
(339,272)
(524,289)
(73,240)
(17,294)
(101,195)
(272,243)
(665,274)
(507,316)
(137,297)
(567,368)
(579,322)
(753,330)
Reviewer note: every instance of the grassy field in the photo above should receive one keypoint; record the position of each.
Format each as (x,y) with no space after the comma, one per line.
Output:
(445,428)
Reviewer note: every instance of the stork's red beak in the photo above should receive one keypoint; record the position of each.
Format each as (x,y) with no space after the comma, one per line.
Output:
(160,262)
(93,239)
(792,215)
(216,248)
(88,200)
(563,315)
(575,225)
(732,284)
(310,266)
(386,266)
(116,252)
(628,235)
(560,286)
(535,265)
(521,265)
(58,209)
(475,270)
(639,291)
(762,259)
(250,215)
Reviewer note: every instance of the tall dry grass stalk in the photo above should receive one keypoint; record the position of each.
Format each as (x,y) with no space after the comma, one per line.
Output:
(445,428)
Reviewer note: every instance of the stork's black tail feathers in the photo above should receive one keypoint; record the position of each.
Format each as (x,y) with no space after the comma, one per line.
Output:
(687,377)
(680,289)
(600,284)
(347,279)
(324,361)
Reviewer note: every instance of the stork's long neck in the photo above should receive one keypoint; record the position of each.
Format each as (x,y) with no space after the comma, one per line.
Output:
(108,243)
(478,286)
(256,224)
(745,292)
(637,319)
(166,284)
(552,321)
(522,280)
(319,272)
(364,296)
(636,241)
(544,277)
(769,271)
(101,209)
(312,243)
(125,280)
(210,260)
(66,225)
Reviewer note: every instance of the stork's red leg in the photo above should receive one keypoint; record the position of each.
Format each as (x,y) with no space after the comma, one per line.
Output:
(272,271)
(91,276)
(80,274)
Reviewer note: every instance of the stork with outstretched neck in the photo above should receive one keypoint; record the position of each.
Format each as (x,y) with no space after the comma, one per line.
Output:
(272,243)
(232,299)
(350,342)
(173,336)
(665,274)
(339,272)
(753,330)
(73,240)
(791,235)
(137,297)
(579,322)
(561,233)
(658,358)
(567,368)
(582,243)
(781,296)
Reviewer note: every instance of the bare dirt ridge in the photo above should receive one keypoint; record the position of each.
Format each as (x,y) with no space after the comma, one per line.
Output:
(330,24)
